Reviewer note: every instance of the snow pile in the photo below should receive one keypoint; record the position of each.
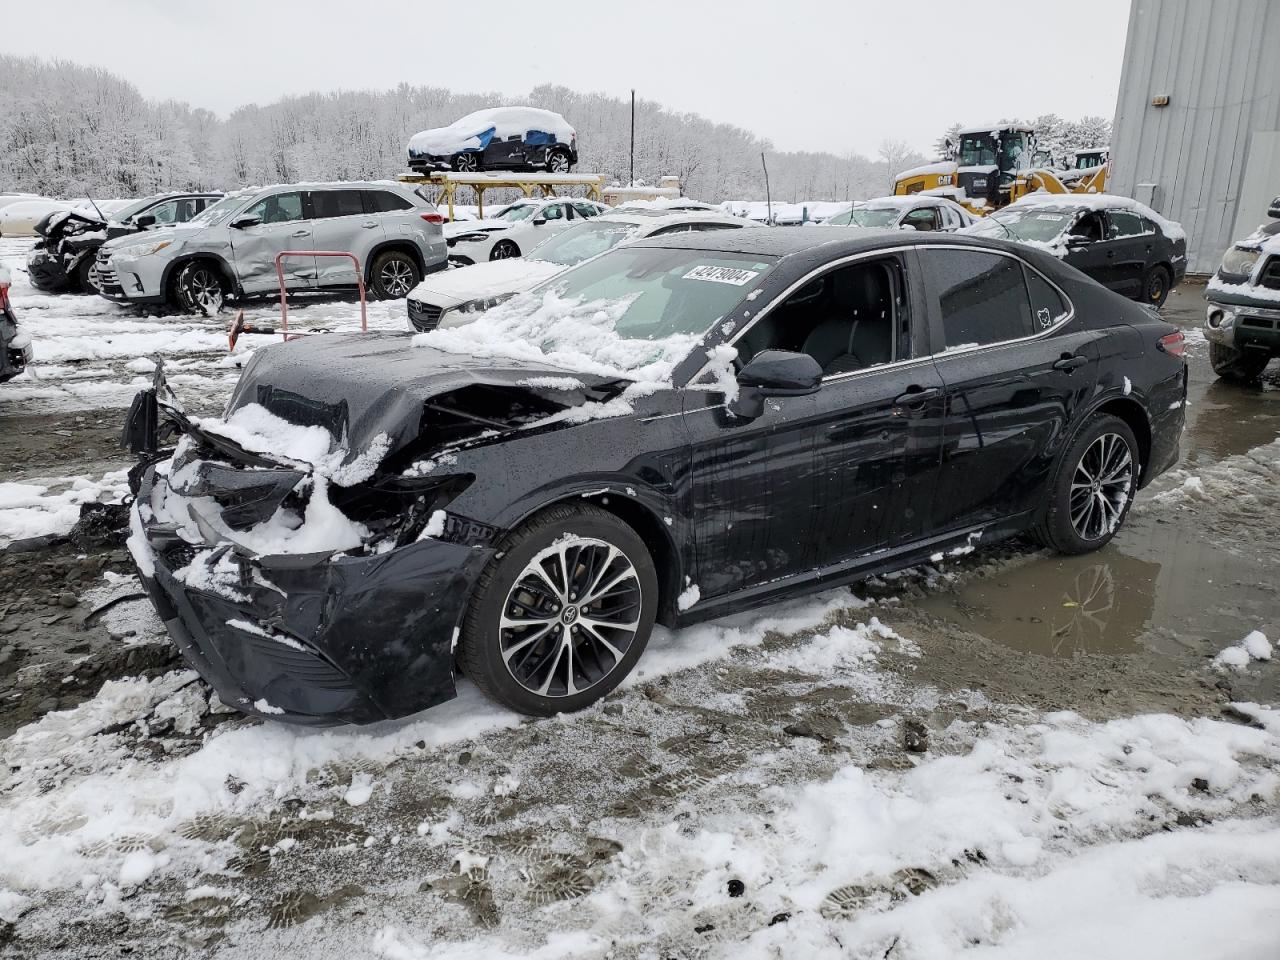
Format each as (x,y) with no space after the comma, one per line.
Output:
(258,430)
(564,332)
(1255,646)
(475,130)
(38,509)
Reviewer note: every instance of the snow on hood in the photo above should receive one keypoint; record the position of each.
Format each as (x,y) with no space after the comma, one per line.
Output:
(475,130)
(456,228)
(492,278)
(1099,201)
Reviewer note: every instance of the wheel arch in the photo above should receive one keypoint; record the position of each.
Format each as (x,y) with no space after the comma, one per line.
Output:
(170,275)
(404,246)
(649,527)
(1134,415)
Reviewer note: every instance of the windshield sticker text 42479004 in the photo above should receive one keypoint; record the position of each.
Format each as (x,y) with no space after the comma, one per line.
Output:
(731,275)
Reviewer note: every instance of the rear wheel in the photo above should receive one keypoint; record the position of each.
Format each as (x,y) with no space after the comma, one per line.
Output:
(562,613)
(466,162)
(1156,285)
(393,274)
(504,250)
(1091,488)
(1238,365)
(200,288)
(558,161)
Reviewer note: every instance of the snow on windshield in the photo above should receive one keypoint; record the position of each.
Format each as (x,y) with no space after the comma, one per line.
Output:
(584,241)
(634,312)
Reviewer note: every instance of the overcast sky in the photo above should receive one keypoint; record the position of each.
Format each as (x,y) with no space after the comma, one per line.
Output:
(837,75)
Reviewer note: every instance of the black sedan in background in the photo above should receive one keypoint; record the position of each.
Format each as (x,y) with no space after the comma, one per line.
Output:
(679,429)
(1124,245)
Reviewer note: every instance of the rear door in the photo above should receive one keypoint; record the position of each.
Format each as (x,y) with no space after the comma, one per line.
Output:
(283,226)
(341,224)
(1133,244)
(1015,371)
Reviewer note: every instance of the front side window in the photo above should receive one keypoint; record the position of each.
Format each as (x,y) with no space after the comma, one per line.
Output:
(849,319)
(552,211)
(925,218)
(982,297)
(277,208)
(336,203)
(586,210)
(166,212)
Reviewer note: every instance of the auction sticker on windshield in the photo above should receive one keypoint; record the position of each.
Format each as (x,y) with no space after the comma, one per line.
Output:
(1054,217)
(731,275)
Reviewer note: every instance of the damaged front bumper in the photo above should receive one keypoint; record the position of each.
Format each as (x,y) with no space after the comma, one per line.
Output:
(352,636)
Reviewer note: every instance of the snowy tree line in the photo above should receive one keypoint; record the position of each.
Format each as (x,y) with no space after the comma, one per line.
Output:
(70,130)
(1055,136)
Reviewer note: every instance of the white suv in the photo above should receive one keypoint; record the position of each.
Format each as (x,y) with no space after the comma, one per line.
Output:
(230,249)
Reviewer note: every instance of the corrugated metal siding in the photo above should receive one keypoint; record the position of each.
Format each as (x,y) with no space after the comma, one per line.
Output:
(1219,64)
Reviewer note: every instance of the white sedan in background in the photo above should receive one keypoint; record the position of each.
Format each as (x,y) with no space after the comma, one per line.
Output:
(451,298)
(515,230)
(916,212)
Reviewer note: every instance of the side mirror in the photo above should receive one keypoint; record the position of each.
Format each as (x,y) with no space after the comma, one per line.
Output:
(144,221)
(1076,240)
(774,373)
(240,223)
(1274,209)
(539,221)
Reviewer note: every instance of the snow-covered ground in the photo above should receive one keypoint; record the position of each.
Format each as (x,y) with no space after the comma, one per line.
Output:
(794,782)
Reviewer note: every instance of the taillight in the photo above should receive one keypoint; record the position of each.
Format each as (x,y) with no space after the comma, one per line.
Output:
(1174,344)
(433,218)
(4,296)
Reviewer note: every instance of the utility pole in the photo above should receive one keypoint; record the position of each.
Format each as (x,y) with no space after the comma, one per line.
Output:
(633,138)
(768,197)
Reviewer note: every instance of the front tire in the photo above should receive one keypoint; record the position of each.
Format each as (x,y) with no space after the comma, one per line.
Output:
(504,250)
(562,613)
(558,161)
(393,274)
(1092,487)
(1240,366)
(200,288)
(86,270)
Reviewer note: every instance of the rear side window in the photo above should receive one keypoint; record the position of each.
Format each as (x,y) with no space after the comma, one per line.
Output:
(586,210)
(384,201)
(1047,305)
(1124,224)
(982,296)
(336,203)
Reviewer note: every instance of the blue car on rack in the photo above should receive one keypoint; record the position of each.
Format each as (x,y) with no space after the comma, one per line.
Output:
(500,138)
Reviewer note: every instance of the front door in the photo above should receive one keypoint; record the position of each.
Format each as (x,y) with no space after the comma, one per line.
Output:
(1092,253)
(1015,371)
(1128,234)
(821,480)
(282,226)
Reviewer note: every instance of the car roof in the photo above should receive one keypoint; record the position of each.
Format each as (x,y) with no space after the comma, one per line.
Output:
(785,241)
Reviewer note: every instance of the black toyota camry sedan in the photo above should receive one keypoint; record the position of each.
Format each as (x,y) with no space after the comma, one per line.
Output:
(681,428)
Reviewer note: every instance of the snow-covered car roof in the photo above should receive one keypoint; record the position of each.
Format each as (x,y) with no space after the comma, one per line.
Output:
(466,133)
(1098,201)
(994,128)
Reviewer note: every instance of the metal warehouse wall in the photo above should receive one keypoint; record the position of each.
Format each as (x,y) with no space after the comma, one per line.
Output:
(1219,65)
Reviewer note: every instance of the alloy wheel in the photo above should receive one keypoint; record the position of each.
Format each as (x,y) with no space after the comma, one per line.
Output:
(396,277)
(570,617)
(1100,487)
(503,251)
(557,162)
(467,163)
(205,291)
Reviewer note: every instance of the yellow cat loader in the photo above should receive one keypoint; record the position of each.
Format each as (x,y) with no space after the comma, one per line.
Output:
(993,168)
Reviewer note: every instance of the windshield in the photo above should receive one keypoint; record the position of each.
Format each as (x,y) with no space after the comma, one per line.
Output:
(516,212)
(977,150)
(634,312)
(1042,225)
(584,241)
(873,216)
(217,213)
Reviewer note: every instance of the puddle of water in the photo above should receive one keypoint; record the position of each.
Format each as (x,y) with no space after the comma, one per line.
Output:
(1156,587)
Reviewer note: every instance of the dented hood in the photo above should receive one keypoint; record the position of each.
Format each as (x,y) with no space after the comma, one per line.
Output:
(359,386)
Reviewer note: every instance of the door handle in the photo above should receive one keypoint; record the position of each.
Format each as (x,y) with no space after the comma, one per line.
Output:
(302,233)
(917,397)
(369,226)
(1110,254)
(1069,362)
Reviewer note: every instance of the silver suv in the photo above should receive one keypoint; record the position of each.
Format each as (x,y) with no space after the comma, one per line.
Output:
(230,249)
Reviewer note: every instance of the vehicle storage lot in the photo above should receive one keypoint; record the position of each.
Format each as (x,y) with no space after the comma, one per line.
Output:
(980,755)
